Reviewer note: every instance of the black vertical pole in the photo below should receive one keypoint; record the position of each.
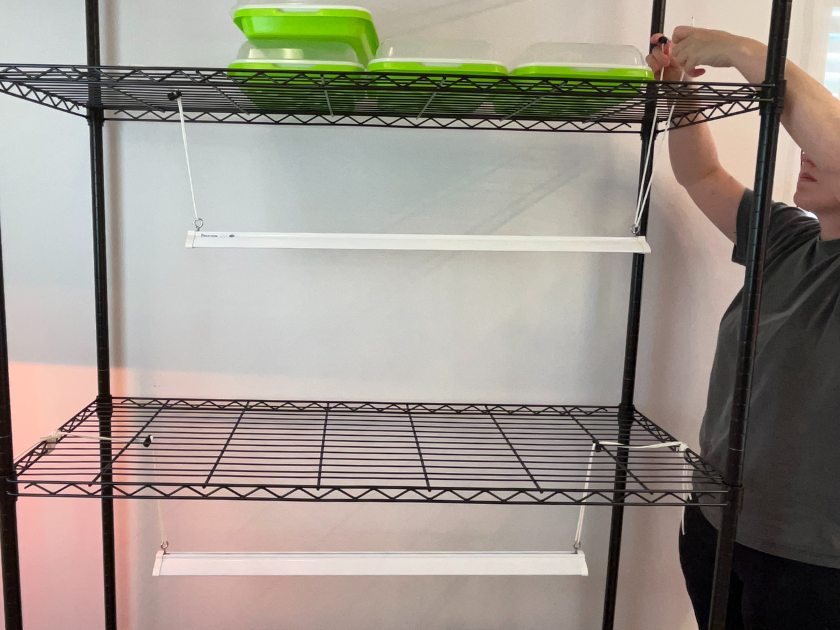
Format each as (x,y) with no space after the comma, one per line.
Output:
(631,351)
(771,112)
(8,508)
(103,359)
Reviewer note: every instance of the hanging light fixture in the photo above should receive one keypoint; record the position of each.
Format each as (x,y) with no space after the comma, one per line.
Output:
(419,242)
(510,563)
(370,563)
(196,238)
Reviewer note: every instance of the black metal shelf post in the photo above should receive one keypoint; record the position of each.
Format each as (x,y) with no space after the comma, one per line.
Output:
(8,508)
(96,122)
(771,112)
(631,351)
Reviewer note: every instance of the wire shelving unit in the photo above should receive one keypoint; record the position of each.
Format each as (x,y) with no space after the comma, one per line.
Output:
(142,448)
(217,95)
(340,451)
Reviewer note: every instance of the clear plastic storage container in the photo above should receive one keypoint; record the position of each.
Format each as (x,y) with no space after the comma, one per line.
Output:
(335,22)
(437,57)
(433,63)
(299,55)
(269,72)
(582,61)
(595,78)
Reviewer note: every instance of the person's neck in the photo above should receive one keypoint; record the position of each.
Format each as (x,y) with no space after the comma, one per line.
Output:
(830,226)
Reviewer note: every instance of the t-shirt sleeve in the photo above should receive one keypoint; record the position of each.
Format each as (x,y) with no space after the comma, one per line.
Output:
(789,227)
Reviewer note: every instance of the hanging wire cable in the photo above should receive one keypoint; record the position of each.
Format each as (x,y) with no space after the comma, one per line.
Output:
(686,485)
(199,223)
(644,194)
(55,436)
(164,540)
(579,531)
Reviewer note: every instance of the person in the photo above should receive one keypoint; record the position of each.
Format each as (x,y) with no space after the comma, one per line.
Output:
(786,568)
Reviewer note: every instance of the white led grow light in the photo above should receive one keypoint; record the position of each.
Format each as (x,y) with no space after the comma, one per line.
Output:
(420,242)
(370,563)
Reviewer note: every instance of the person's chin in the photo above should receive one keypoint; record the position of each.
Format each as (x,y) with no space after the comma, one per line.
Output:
(817,206)
(802,202)
(802,199)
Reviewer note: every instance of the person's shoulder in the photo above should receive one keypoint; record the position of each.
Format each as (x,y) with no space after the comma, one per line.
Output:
(793,217)
(789,227)
(782,215)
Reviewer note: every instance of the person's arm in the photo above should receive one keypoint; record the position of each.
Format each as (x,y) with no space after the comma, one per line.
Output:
(695,162)
(696,166)
(811,114)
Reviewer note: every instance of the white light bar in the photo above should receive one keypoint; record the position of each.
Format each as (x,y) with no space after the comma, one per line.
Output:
(421,242)
(371,563)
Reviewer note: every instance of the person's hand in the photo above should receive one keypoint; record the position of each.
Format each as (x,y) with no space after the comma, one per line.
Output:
(662,62)
(692,47)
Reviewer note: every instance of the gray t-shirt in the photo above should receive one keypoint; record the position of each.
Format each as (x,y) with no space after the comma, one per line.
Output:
(792,468)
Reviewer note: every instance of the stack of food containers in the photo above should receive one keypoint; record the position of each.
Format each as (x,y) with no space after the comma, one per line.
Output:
(340,38)
(302,37)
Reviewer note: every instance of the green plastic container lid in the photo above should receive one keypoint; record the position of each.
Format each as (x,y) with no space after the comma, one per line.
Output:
(336,22)
(583,61)
(300,55)
(437,57)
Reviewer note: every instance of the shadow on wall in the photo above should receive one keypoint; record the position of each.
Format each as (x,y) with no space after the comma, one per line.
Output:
(429,14)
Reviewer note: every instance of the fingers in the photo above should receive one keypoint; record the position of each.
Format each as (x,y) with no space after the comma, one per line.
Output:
(661,56)
(654,63)
(662,45)
(692,71)
(681,33)
(665,56)
(686,61)
(685,57)
(661,41)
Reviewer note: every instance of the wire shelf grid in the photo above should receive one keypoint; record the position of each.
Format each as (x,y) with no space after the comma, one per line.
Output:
(379,100)
(346,451)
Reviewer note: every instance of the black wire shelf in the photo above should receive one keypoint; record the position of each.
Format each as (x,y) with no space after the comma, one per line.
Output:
(213,95)
(354,452)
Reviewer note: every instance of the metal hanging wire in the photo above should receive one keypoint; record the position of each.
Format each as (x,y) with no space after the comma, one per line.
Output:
(644,193)
(598,446)
(164,539)
(177,96)
(50,441)
(686,484)
(579,531)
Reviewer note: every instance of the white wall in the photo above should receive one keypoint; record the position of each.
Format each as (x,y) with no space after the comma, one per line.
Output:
(330,325)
